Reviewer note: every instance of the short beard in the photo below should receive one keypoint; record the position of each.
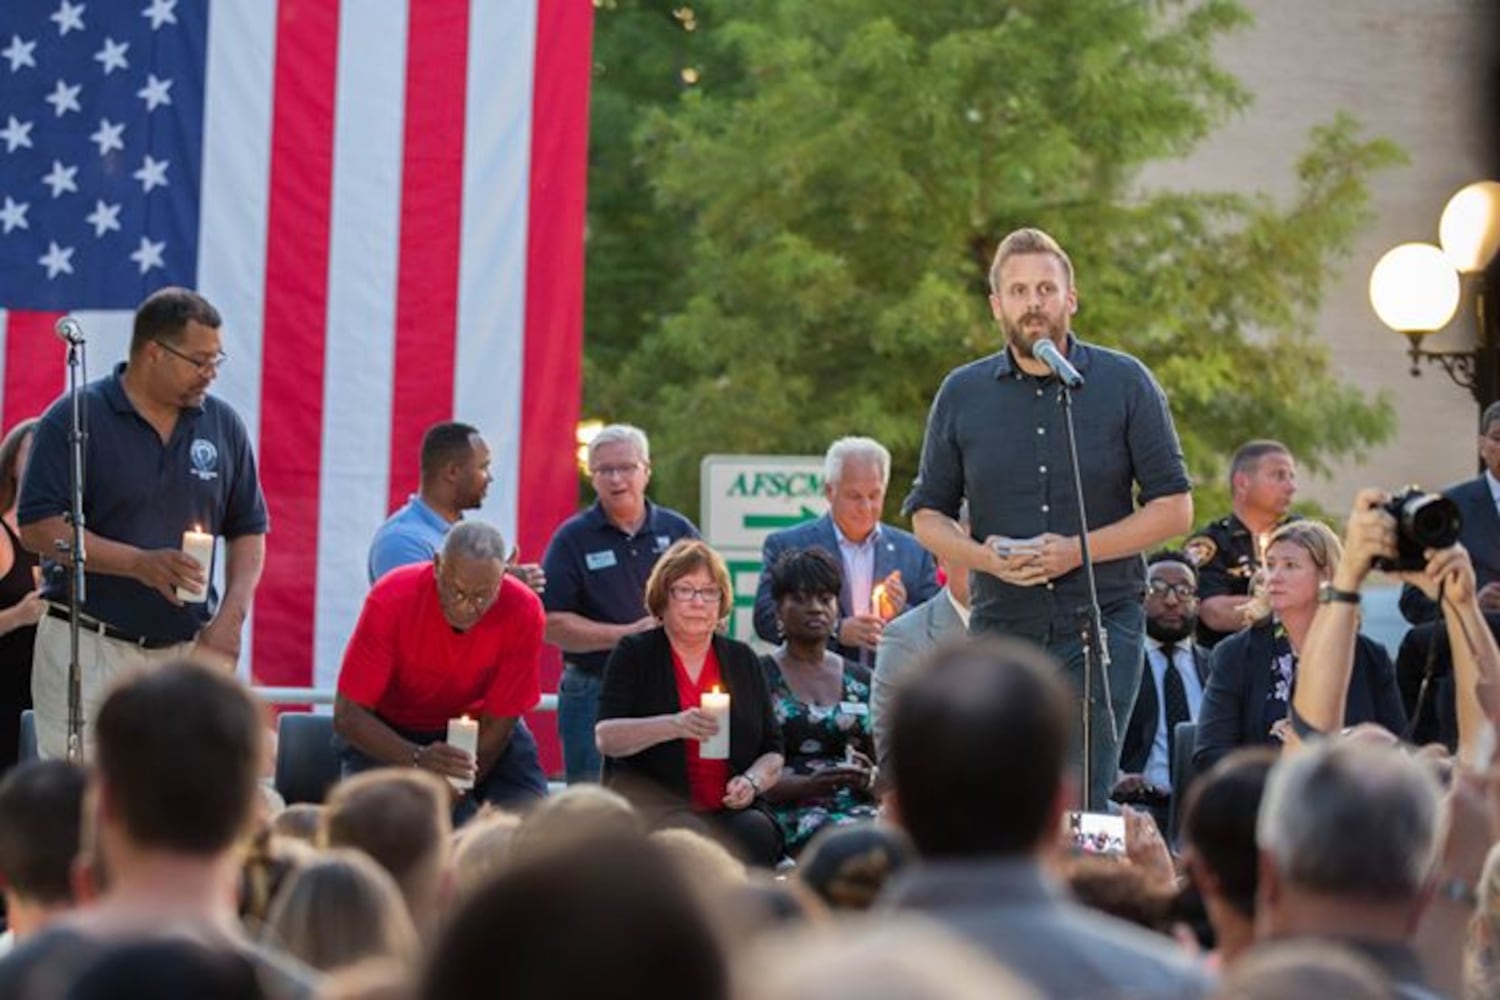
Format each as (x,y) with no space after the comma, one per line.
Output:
(1164,634)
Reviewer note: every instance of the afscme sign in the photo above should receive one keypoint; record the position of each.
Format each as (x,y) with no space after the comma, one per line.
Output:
(743,498)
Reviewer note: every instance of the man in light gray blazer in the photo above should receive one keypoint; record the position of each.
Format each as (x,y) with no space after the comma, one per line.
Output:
(906,641)
(979,747)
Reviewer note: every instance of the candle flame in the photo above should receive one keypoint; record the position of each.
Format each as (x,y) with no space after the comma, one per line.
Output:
(716,689)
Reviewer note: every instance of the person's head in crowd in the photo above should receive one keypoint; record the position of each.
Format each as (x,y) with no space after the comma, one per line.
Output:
(689,565)
(1348,835)
(1171,596)
(455,467)
(620,467)
(268,864)
(1218,838)
(705,864)
(1262,480)
(903,956)
(41,806)
(402,819)
(172,968)
(856,471)
(339,909)
(14,450)
(1301,556)
(764,903)
(1483,952)
(1489,438)
(482,847)
(1304,970)
(805,586)
(469,570)
(611,917)
(576,813)
(982,715)
(848,865)
(175,347)
(1032,295)
(299,821)
(1123,891)
(183,733)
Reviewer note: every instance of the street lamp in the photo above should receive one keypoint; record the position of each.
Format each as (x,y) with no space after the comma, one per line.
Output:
(1416,288)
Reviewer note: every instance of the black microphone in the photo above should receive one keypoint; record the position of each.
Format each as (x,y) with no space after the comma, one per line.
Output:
(1047,353)
(69,331)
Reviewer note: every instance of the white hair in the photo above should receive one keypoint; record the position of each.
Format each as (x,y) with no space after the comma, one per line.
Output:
(621,433)
(474,540)
(865,448)
(1351,819)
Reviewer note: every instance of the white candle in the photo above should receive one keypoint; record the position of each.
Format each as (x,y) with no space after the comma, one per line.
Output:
(464,734)
(716,747)
(199,546)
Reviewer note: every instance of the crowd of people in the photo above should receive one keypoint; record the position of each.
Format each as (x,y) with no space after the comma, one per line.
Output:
(886,796)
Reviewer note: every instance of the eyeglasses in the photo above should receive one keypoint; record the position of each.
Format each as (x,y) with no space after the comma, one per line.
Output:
(204,367)
(684,593)
(606,471)
(476,600)
(1181,591)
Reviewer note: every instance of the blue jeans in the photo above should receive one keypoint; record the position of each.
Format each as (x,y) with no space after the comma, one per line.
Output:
(1125,635)
(516,782)
(577,711)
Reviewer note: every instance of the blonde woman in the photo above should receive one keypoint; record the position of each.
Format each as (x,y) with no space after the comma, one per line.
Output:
(341,909)
(1253,673)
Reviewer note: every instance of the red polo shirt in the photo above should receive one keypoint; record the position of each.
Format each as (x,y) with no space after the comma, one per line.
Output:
(410,667)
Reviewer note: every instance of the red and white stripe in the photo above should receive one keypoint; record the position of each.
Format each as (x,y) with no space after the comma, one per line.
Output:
(392,226)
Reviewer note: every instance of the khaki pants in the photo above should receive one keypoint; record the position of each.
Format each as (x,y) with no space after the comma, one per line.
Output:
(102,662)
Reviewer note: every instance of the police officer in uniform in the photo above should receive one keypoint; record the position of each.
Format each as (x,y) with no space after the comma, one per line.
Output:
(1228,552)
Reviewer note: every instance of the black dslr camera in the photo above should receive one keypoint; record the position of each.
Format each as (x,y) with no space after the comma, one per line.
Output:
(1423,521)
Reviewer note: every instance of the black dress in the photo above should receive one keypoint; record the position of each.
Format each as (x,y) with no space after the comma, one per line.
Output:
(15,651)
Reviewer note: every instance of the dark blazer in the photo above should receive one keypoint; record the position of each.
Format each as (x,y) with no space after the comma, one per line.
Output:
(639,681)
(1140,733)
(1480,535)
(1239,678)
(896,549)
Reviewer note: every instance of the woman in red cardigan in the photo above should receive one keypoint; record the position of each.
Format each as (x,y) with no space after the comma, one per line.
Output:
(651,728)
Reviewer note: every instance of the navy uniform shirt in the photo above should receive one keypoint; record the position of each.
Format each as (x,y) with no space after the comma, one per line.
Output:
(1227,556)
(146,493)
(596,570)
(996,436)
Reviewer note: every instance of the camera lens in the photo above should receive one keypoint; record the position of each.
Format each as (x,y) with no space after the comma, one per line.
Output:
(1432,521)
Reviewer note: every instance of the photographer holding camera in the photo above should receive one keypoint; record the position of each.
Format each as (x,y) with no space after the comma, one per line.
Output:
(1414,535)
(1254,673)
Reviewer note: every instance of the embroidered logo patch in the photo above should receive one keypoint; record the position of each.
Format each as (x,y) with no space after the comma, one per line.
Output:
(205,458)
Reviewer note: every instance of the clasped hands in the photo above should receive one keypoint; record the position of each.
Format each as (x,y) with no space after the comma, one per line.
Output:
(1030,562)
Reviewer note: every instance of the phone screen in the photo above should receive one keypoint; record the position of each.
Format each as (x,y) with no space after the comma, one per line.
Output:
(1095,833)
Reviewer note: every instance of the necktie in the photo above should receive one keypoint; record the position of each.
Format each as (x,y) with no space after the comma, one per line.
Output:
(1173,695)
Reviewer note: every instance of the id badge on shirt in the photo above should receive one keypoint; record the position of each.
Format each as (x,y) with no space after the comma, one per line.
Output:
(603,559)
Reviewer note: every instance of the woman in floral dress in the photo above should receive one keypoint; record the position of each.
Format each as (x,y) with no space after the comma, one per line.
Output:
(822,703)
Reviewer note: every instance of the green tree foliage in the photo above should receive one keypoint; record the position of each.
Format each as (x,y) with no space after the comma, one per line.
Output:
(827,198)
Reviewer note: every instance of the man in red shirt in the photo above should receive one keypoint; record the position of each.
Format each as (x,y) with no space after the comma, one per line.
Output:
(435,642)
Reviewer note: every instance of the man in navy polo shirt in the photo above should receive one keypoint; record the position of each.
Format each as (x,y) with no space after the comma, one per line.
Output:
(596,566)
(162,458)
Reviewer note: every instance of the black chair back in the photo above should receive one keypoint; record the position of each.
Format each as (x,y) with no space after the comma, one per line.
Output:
(306,763)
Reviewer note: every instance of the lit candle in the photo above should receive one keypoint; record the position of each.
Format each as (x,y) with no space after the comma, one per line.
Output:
(1261,541)
(716,703)
(464,734)
(878,602)
(198,546)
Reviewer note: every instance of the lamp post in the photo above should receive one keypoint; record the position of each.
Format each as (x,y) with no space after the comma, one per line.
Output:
(1416,288)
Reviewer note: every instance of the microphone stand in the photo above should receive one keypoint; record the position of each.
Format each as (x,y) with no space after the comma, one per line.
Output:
(77,593)
(1091,619)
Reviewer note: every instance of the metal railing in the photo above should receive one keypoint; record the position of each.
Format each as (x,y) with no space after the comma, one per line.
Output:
(324,696)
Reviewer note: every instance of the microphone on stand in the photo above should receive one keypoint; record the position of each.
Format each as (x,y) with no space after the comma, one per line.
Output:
(1047,353)
(69,331)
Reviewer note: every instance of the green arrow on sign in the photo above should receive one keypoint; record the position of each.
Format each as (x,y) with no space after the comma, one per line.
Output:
(752,521)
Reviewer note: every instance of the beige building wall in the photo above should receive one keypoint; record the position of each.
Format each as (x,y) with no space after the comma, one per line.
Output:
(1408,70)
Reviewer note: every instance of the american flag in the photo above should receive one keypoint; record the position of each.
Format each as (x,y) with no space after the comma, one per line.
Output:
(384,199)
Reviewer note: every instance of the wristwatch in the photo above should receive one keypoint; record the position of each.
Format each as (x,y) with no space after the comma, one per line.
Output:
(1329,594)
(754,781)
